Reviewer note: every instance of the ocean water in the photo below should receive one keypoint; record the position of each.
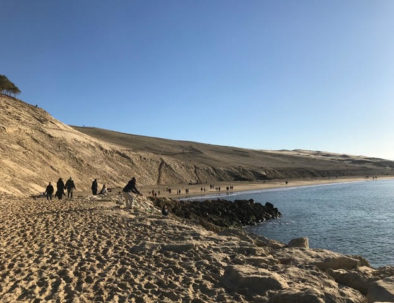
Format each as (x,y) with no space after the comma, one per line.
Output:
(354,218)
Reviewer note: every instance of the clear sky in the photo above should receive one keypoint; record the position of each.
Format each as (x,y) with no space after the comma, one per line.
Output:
(257,74)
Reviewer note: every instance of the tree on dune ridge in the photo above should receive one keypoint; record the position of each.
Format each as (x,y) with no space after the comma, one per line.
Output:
(7,87)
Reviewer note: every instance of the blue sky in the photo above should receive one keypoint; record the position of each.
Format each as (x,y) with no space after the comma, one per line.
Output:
(257,74)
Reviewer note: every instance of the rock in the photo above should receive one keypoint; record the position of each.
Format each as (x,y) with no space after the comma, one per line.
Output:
(381,290)
(269,205)
(250,280)
(340,262)
(353,279)
(309,294)
(292,296)
(219,212)
(261,261)
(178,248)
(299,242)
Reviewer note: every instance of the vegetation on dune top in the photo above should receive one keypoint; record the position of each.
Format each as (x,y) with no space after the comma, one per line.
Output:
(7,87)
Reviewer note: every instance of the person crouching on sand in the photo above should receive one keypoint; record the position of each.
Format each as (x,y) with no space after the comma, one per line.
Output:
(103,190)
(164,210)
(127,192)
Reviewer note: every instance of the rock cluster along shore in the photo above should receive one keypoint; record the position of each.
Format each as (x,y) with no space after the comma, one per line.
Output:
(284,273)
(220,212)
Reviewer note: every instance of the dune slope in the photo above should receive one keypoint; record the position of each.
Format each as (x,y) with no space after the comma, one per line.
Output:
(36,148)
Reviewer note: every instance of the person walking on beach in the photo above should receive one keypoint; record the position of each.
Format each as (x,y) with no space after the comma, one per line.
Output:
(59,188)
(128,190)
(70,186)
(49,191)
(94,187)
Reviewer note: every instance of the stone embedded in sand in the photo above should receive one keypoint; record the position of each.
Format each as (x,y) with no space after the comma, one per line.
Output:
(299,242)
(304,296)
(251,280)
(355,279)
(178,248)
(309,294)
(381,290)
(261,261)
(340,262)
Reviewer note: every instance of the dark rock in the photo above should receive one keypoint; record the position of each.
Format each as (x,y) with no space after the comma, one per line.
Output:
(222,213)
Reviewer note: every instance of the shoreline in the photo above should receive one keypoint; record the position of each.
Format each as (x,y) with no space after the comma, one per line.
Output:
(245,187)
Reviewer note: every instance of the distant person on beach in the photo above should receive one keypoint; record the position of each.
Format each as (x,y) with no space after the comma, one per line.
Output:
(70,186)
(94,187)
(59,188)
(128,190)
(49,191)
(164,210)
(103,190)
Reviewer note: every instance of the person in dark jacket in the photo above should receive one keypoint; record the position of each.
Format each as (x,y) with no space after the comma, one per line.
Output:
(94,187)
(164,210)
(128,190)
(49,191)
(70,186)
(59,188)
(130,187)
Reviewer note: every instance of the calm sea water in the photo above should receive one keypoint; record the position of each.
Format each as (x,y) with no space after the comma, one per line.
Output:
(351,218)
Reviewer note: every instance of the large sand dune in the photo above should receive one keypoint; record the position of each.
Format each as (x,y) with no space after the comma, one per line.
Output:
(36,148)
(92,249)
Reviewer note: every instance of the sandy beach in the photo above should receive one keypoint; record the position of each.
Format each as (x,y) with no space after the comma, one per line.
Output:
(91,249)
(195,189)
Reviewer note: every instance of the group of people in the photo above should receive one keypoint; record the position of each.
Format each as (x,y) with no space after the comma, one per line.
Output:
(69,186)
(128,191)
(103,190)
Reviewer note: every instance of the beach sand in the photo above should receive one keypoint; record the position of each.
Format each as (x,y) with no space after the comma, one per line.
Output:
(195,189)
(91,249)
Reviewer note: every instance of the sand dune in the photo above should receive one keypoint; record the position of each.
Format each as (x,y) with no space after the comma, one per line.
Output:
(91,249)
(35,148)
